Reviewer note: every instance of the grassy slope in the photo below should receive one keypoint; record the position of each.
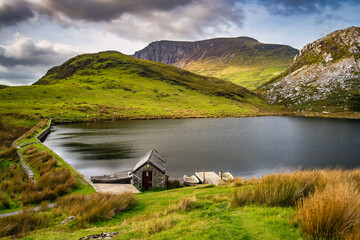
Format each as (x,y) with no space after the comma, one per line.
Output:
(247,63)
(243,61)
(111,85)
(211,220)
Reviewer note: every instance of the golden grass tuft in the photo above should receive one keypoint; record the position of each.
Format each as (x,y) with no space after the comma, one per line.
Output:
(160,225)
(236,182)
(22,223)
(184,204)
(276,189)
(95,207)
(331,214)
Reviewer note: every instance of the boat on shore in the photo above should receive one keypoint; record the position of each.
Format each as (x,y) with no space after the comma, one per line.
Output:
(225,176)
(191,181)
(122,177)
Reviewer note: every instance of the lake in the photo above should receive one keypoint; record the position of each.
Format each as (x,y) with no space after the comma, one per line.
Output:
(242,146)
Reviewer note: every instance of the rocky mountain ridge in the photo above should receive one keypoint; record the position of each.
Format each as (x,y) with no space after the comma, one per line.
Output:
(324,74)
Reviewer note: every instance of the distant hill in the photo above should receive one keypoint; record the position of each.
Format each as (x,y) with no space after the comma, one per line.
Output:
(111,85)
(242,60)
(325,76)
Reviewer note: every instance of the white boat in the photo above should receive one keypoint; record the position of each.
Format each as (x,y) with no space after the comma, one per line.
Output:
(225,176)
(191,181)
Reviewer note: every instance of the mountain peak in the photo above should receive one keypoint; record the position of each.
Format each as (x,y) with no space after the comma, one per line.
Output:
(325,73)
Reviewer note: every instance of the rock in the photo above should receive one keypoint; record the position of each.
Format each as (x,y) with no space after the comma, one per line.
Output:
(328,57)
(68,219)
(108,235)
(354,50)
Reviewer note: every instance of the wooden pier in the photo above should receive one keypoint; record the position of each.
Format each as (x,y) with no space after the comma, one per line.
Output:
(209,178)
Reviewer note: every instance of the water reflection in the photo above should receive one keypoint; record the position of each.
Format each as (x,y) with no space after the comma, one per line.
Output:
(243,146)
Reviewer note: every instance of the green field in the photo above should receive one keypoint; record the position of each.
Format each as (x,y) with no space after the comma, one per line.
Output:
(211,218)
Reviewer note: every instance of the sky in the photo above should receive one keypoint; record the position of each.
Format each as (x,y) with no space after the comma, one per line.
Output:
(36,35)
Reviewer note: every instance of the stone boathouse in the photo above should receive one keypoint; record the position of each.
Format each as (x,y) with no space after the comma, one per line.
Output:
(150,171)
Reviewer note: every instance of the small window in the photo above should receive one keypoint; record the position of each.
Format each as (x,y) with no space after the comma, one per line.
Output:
(147,174)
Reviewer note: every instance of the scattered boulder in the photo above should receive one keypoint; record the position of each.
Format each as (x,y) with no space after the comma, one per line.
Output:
(68,219)
(108,235)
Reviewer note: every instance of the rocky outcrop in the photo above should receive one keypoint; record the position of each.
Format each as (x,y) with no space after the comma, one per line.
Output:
(241,50)
(326,72)
(168,52)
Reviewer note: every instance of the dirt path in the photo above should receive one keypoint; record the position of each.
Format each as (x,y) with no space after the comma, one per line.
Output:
(20,211)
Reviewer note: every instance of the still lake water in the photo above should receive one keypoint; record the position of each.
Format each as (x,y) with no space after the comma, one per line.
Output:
(242,146)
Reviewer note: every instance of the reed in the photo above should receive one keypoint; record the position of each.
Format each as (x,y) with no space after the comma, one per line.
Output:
(331,214)
(22,223)
(95,207)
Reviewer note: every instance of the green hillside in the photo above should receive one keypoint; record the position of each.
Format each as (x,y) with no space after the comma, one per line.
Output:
(110,85)
(243,60)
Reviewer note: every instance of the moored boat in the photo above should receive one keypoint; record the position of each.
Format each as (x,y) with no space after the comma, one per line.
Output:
(123,177)
(225,176)
(191,181)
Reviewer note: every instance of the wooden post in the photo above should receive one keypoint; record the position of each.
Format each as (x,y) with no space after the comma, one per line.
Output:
(204,176)
(221,175)
(197,168)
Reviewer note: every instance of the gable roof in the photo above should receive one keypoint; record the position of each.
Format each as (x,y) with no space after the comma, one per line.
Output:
(152,157)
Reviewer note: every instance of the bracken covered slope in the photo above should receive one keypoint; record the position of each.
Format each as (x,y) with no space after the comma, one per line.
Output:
(324,76)
(242,60)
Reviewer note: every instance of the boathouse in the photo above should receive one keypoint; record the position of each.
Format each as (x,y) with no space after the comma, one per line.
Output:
(150,171)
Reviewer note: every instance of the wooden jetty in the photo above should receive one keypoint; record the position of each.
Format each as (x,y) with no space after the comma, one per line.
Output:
(209,178)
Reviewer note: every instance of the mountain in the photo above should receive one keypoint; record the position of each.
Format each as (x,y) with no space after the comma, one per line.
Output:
(111,85)
(325,76)
(242,60)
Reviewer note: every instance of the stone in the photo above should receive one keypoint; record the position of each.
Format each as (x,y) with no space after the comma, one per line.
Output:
(108,235)
(68,219)
(354,50)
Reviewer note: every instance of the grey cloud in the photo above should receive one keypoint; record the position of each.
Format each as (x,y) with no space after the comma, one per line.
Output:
(24,61)
(23,51)
(95,10)
(14,12)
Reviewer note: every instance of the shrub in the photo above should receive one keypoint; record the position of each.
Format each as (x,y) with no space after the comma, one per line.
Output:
(95,207)
(22,223)
(333,213)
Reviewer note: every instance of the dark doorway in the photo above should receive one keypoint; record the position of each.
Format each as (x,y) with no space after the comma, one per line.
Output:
(146,180)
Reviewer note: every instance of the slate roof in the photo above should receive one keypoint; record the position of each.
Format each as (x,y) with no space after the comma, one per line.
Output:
(152,157)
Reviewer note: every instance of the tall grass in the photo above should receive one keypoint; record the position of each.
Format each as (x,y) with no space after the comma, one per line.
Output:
(22,223)
(331,214)
(277,189)
(53,182)
(327,202)
(95,207)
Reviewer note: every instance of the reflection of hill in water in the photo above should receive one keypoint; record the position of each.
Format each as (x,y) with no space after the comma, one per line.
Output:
(100,151)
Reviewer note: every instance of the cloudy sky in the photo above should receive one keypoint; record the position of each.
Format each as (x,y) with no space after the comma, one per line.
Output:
(38,34)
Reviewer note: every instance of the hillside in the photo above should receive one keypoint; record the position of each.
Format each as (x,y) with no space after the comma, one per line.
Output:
(110,85)
(325,76)
(243,60)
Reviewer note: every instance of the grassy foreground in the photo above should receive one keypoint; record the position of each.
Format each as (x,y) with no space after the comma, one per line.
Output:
(317,204)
